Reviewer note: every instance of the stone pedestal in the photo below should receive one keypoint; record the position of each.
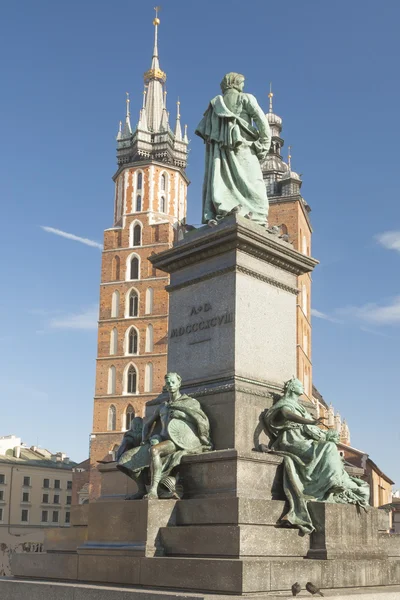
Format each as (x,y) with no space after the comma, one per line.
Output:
(232,337)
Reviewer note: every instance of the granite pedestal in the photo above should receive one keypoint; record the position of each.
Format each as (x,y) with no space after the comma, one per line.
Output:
(232,338)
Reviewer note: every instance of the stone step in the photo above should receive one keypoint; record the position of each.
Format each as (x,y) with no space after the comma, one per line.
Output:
(251,575)
(235,511)
(233,541)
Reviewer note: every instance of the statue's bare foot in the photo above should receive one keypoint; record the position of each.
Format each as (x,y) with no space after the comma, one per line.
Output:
(137,496)
(151,496)
(212,223)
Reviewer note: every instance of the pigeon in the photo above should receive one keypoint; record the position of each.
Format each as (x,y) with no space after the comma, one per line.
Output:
(296,589)
(310,587)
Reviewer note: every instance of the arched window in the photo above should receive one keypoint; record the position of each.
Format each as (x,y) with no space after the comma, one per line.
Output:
(149,338)
(163,204)
(163,182)
(114,341)
(116,268)
(304,300)
(139,181)
(148,378)
(133,304)
(131,380)
(134,268)
(111,380)
(115,304)
(149,301)
(129,416)
(114,451)
(284,229)
(138,203)
(112,418)
(132,341)
(137,235)
(304,245)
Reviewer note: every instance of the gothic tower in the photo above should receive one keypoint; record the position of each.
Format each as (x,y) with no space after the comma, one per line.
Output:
(290,211)
(149,210)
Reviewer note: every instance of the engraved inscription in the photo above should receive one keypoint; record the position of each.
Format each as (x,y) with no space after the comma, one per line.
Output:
(204,323)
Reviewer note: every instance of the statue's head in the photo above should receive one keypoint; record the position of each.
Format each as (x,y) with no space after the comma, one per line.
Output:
(232,80)
(295,386)
(173,382)
(137,424)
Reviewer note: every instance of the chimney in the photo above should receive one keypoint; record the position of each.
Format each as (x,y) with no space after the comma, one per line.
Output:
(17,452)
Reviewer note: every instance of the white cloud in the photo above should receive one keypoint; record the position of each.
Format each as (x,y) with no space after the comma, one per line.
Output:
(389,239)
(87,319)
(71,236)
(388,314)
(320,315)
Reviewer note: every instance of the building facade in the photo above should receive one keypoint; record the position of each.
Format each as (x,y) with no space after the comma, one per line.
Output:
(35,488)
(290,213)
(149,214)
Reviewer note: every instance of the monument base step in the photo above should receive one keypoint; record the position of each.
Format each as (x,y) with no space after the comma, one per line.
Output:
(16,589)
(208,575)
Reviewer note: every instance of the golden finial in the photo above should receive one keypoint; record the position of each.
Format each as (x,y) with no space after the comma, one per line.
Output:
(128,113)
(270,96)
(178,112)
(156,21)
(289,158)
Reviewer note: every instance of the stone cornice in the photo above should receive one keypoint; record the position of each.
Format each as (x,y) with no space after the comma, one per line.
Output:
(234,233)
(231,269)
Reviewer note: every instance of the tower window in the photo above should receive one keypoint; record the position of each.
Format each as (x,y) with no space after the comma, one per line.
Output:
(149,301)
(112,418)
(129,416)
(134,270)
(138,203)
(148,378)
(116,268)
(111,380)
(137,235)
(149,338)
(131,386)
(115,304)
(139,183)
(114,341)
(132,341)
(133,308)
(163,204)
(163,182)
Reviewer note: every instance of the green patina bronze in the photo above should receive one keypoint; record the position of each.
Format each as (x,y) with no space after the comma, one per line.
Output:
(233,179)
(313,467)
(152,449)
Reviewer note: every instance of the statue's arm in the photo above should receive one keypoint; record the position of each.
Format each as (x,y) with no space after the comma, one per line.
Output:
(148,424)
(258,116)
(289,416)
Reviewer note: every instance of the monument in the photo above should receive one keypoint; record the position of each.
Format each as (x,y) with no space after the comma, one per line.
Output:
(215,473)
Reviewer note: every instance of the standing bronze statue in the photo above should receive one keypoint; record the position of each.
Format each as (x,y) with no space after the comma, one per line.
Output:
(233,180)
(152,449)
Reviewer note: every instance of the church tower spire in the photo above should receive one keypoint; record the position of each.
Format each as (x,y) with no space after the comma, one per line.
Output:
(153,137)
(155,79)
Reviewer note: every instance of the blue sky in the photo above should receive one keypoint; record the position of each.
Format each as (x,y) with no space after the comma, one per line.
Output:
(65,68)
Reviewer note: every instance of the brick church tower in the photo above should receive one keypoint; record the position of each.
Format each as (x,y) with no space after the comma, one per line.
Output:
(149,211)
(290,211)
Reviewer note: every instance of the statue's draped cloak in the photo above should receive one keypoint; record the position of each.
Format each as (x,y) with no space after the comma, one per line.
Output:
(313,467)
(234,148)
(187,410)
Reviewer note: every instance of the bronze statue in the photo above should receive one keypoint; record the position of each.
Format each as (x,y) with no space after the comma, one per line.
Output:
(153,448)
